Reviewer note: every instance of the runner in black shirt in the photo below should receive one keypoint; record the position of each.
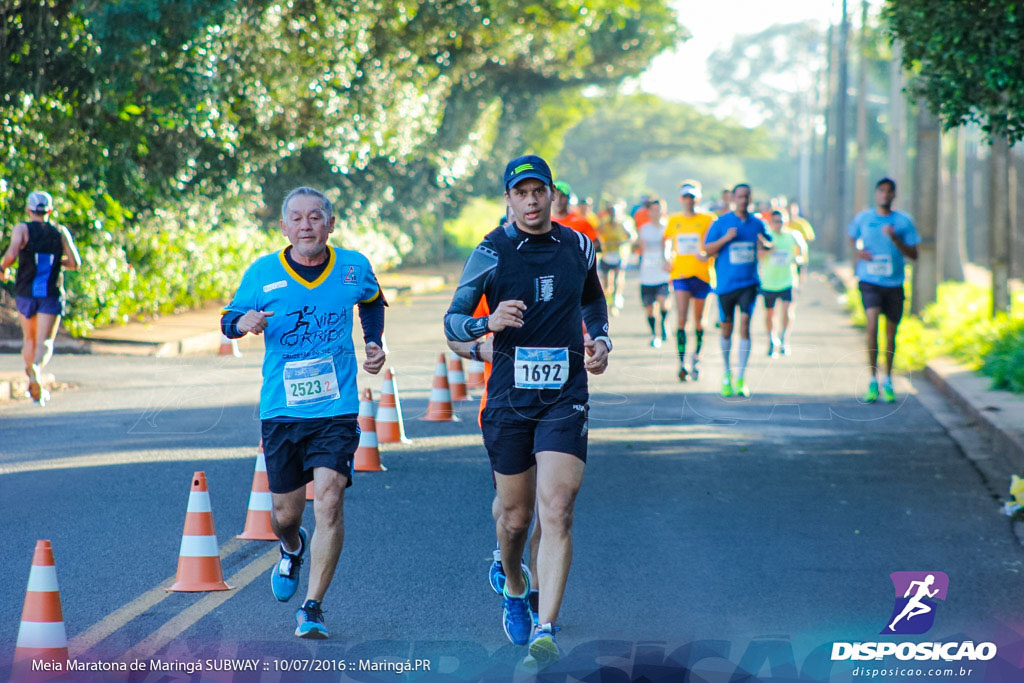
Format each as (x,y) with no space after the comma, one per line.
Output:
(541,283)
(42,250)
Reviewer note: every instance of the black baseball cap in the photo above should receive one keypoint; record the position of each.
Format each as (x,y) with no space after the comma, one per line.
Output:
(529,166)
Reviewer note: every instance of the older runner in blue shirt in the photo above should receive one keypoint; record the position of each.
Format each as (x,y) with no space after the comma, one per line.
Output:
(301,299)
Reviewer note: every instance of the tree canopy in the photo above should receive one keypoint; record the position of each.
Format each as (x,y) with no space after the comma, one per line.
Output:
(154,121)
(627,130)
(968,60)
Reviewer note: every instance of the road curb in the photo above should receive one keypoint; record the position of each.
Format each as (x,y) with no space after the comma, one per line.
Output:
(992,411)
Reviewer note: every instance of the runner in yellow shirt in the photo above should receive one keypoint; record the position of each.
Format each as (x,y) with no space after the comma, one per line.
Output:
(690,272)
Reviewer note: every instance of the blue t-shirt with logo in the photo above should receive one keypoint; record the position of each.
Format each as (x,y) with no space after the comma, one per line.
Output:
(736,262)
(886,267)
(309,368)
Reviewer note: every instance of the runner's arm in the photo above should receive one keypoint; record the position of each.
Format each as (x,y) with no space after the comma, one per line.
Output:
(371,317)
(484,349)
(594,305)
(459,323)
(71,260)
(18,239)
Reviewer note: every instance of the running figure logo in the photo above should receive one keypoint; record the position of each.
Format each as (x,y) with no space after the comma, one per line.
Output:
(916,593)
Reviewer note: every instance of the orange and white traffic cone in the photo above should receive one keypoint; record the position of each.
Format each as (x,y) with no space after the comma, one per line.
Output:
(199,558)
(42,636)
(475,374)
(457,379)
(257,519)
(229,347)
(440,408)
(367,457)
(390,425)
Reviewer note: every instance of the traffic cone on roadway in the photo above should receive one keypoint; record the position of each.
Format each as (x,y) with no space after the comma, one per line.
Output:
(229,347)
(41,636)
(390,425)
(367,457)
(457,379)
(257,519)
(440,409)
(199,558)
(475,374)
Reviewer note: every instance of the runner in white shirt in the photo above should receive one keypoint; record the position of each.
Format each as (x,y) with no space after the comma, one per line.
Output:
(654,269)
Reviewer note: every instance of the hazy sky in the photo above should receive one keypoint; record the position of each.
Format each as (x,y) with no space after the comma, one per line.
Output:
(681,74)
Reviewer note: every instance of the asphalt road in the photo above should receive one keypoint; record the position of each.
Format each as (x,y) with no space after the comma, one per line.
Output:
(735,538)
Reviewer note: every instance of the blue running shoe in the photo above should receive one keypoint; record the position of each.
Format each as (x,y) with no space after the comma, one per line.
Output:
(496,574)
(543,648)
(516,619)
(284,577)
(310,621)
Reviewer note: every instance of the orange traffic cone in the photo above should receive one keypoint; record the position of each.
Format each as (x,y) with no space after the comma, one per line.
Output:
(199,558)
(257,519)
(229,347)
(367,457)
(475,374)
(41,636)
(440,407)
(457,379)
(310,491)
(390,425)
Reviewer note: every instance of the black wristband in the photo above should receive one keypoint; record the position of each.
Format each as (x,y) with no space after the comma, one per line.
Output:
(474,351)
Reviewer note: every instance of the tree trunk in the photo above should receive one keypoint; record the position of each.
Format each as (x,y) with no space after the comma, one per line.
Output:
(860,174)
(1017,212)
(926,179)
(897,120)
(999,230)
(950,255)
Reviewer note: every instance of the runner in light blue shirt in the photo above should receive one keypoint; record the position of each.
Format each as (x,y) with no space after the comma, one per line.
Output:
(882,239)
(301,299)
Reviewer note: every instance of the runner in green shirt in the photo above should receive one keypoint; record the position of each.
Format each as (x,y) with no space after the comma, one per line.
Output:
(779,279)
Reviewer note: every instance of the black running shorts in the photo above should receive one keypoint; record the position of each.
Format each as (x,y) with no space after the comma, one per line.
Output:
(514,436)
(781,295)
(745,298)
(888,299)
(293,449)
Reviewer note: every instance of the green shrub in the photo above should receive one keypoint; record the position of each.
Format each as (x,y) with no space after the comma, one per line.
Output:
(479,216)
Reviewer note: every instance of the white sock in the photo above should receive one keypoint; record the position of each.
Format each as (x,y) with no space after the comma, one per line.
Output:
(744,356)
(726,344)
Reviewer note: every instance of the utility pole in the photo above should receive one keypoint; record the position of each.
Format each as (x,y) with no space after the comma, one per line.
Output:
(831,220)
(926,180)
(841,217)
(999,232)
(860,175)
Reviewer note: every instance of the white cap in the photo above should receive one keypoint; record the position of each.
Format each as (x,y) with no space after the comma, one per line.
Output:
(688,189)
(40,202)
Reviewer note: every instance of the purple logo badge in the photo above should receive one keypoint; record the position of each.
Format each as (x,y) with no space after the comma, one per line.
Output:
(916,594)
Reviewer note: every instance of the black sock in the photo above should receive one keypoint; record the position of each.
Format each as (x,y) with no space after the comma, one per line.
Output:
(700,342)
(681,344)
(664,314)
(650,321)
